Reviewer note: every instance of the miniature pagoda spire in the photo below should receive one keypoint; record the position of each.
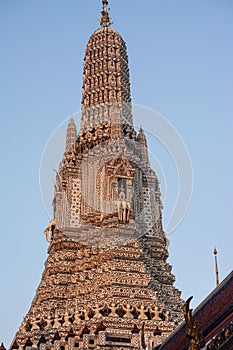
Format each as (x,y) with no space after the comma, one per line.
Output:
(106,97)
(144,151)
(141,137)
(71,135)
(105,20)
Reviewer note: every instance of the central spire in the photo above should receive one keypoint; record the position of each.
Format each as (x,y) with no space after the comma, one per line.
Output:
(106,281)
(105,20)
(106,82)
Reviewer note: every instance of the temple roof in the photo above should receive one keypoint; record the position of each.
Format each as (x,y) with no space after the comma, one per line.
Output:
(211,316)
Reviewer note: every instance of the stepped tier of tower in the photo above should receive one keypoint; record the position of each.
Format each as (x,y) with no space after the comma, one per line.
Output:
(85,287)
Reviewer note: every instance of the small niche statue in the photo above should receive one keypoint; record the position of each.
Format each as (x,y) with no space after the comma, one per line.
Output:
(123,207)
(127,310)
(66,319)
(97,308)
(154,313)
(112,308)
(77,319)
(48,322)
(57,320)
(141,312)
(34,324)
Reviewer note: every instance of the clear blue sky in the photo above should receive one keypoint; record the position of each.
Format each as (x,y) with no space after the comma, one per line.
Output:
(181,55)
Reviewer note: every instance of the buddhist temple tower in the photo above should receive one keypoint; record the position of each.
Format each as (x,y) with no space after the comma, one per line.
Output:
(106,282)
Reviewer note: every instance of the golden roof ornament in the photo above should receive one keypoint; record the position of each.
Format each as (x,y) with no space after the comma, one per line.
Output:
(104,20)
(197,341)
(216,266)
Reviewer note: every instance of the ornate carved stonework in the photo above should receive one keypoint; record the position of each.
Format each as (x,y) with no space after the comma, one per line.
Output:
(106,82)
(106,282)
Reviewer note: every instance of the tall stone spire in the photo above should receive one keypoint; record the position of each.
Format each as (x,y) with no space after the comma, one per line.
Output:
(106,282)
(106,97)
(71,135)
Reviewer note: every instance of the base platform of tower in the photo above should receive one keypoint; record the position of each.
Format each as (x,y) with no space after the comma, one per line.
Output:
(106,282)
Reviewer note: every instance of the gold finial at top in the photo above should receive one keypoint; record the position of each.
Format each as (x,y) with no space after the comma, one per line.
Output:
(216,267)
(104,19)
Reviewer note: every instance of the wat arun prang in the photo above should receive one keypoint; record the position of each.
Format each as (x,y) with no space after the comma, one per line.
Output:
(106,282)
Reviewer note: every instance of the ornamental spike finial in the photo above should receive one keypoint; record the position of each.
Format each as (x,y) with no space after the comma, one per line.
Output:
(216,266)
(104,19)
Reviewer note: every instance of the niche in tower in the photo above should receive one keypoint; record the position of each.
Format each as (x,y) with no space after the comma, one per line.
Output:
(124,186)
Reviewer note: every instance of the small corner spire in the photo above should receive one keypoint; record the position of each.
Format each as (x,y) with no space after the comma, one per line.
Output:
(104,19)
(71,135)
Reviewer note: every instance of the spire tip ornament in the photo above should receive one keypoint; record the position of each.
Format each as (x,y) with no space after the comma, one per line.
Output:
(104,20)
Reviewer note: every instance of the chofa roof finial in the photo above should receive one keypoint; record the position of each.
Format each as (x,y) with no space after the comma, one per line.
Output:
(104,19)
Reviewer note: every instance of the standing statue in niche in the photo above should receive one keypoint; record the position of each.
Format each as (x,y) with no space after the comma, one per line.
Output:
(123,207)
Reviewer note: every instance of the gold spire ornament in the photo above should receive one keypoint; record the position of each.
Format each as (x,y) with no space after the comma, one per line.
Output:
(197,341)
(104,20)
(216,266)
